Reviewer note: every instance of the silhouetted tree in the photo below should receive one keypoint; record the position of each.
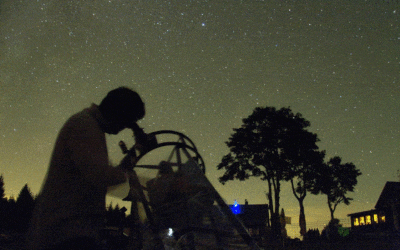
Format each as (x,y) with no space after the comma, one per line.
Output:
(335,181)
(331,231)
(3,204)
(24,205)
(2,191)
(10,214)
(115,216)
(312,236)
(303,175)
(283,223)
(269,145)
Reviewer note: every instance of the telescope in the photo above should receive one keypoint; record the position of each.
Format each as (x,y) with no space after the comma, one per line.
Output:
(168,182)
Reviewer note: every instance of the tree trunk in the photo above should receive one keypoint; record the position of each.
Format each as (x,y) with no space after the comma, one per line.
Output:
(276,229)
(302,219)
(277,197)
(276,226)
(331,210)
(270,200)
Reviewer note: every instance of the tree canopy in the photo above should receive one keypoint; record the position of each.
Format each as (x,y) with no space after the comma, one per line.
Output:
(24,207)
(273,145)
(335,181)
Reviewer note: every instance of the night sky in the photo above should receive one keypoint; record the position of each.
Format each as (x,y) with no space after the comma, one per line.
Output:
(201,67)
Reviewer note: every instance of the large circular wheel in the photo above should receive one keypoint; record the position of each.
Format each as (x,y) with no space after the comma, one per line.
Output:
(178,143)
(178,152)
(172,147)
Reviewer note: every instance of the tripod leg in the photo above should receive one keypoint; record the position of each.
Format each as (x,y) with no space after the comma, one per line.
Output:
(137,191)
(136,234)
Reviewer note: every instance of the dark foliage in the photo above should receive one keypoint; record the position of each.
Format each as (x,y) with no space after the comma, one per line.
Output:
(15,215)
(331,232)
(115,217)
(3,204)
(2,191)
(335,180)
(24,208)
(312,236)
(275,146)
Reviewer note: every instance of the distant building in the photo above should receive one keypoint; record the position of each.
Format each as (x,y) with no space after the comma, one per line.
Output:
(254,217)
(386,215)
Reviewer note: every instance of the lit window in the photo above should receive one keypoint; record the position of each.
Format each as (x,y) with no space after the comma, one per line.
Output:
(368,219)
(383,218)
(362,222)
(375,218)
(356,223)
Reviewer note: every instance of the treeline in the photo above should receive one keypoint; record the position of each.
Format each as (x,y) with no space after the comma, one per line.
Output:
(15,214)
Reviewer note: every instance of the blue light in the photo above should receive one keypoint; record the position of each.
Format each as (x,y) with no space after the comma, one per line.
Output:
(236,208)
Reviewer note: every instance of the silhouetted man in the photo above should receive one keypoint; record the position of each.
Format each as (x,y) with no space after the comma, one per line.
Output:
(70,207)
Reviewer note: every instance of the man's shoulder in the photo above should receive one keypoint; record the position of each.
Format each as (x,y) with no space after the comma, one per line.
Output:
(81,117)
(82,120)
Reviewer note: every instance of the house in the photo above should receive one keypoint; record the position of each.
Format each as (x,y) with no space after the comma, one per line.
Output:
(254,217)
(386,215)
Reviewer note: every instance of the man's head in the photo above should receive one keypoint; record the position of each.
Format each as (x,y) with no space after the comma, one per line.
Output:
(122,107)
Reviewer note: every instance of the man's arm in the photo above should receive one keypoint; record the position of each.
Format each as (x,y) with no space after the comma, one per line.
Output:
(89,153)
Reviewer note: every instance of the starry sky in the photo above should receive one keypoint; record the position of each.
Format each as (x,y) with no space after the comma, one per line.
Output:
(201,67)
